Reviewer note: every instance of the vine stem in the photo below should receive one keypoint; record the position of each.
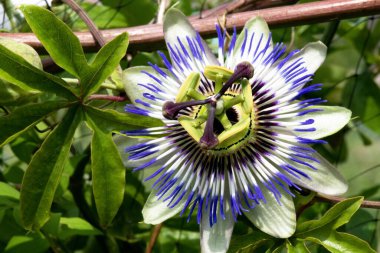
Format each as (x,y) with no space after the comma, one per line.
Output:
(333,199)
(108,97)
(156,231)
(150,37)
(87,20)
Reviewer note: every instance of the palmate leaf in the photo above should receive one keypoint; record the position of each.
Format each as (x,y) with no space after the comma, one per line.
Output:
(108,172)
(58,39)
(65,49)
(25,117)
(44,171)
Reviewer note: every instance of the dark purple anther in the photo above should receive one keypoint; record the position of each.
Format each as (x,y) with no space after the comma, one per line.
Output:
(170,109)
(242,70)
(209,139)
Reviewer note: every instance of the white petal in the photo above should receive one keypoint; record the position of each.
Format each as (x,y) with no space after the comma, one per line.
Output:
(156,211)
(176,26)
(313,54)
(326,122)
(133,77)
(216,239)
(272,218)
(326,179)
(308,58)
(256,27)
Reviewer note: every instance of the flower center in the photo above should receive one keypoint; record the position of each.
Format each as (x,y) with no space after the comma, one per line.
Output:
(221,122)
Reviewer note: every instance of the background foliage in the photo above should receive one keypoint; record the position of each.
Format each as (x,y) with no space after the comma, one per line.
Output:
(76,147)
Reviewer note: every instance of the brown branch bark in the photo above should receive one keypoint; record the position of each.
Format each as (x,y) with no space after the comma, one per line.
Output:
(332,199)
(150,37)
(241,5)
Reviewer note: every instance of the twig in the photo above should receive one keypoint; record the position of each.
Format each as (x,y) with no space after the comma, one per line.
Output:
(108,97)
(153,238)
(87,20)
(150,37)
(332,199)
(163,4)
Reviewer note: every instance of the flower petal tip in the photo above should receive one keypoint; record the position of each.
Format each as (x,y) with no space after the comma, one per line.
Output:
(314,55)
(156,211)
(277,220)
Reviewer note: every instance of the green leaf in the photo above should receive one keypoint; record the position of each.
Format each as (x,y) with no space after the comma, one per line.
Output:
(20,244)
(12,95)
(116,121)
(108,172)
(57,38)
(335,217)
(297,246)
(76,226)
(250,241)
(9,196)
(323,231)
(25,117)
(23,50)
(105,63)
(8,191)
(16,70)
(365,103)
(44,171)
(143,10)
(338,242)
(103,16)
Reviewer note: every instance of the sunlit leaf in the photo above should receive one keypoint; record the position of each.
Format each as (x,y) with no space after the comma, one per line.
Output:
(44,171)
(335,217)
(70,226)
(8,191)
(16,70)
(9,196)
(338,242)
(23,50)
(20,243)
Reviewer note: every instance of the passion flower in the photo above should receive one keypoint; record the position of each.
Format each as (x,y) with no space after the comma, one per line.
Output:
(237,133)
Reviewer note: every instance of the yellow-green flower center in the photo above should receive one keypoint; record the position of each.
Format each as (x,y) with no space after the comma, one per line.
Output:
(224,121)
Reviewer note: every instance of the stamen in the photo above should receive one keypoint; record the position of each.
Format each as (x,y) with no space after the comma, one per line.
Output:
(209,139)
(242,70)
(170,109)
